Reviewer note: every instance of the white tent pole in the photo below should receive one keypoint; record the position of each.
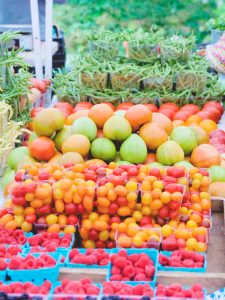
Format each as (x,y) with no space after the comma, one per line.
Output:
(48,38)
(36,38)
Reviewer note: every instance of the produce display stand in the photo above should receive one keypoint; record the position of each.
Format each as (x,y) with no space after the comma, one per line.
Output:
(212,280)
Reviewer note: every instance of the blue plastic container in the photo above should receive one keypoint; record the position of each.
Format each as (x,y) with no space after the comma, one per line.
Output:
(152,253)
(54,297)
(61,235)
(39,296)
(94,266)
(37,276)
(127,297)
(3,275)
(175,298)
(62,251)
(182,269)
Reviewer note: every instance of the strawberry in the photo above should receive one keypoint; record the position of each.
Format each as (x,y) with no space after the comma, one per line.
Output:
(92,290)
(115,270)
(197,287)
(188,293)
(104,262)
(199,258)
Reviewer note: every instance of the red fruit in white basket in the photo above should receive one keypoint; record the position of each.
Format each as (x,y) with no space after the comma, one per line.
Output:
(3,264)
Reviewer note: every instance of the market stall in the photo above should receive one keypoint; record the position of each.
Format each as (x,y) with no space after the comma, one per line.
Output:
(121,181)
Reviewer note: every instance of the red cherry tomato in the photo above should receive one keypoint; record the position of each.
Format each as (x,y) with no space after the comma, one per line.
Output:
(170,105)
(215,104)
(152,107)
(168,112)
(72,220)
(181,115)
(175,172)
(34,112)
(31,218)
(124,106)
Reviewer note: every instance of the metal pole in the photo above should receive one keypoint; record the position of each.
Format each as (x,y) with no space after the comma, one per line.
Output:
(36,38)
(48,38)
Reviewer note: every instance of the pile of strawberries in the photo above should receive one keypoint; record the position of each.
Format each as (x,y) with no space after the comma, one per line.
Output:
(119,288)
(73,287)
(90,257)
(26,288)
(50,241)
(182,258)
(176,291)
(133,267)
(8,252)
(31,262)
(12,237)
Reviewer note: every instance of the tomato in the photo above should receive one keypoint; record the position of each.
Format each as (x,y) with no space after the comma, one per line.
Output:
(124,106)
(154,172)
(72,220)
(65,106)
(204,115)
(42,148)
(152,107)
(215,104)
(169,179)
(170,105)
(175,172)
(3,212)
(192,108)
(82,106)
(181,115)
(214,113)
(31,218)
(168,112)
(110,105)
(172,188)
(35,111)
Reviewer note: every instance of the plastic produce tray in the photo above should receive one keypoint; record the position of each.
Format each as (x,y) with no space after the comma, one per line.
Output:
(37,276)
(182,269)
(94,266)
(152,253)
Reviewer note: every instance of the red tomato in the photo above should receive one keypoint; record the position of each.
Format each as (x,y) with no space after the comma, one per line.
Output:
(214,113)
(175,172)
(64,105)
(124,106)
(170,105)
(204,115)
(72,220)
(3,212)
(172,188)
(181,115)
(152,107)
(192,108)
(35,111)
(31,218)
(110,105)
(215,104)
(154,172)
(82,106)
(168,112)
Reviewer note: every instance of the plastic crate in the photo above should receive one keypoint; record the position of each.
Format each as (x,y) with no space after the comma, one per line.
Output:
(61,235)
(73,296)
(94,266)
(152,253)
(37,276)
(63,252)
(14,296)
(3,275)
(175,298)
(182,269)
